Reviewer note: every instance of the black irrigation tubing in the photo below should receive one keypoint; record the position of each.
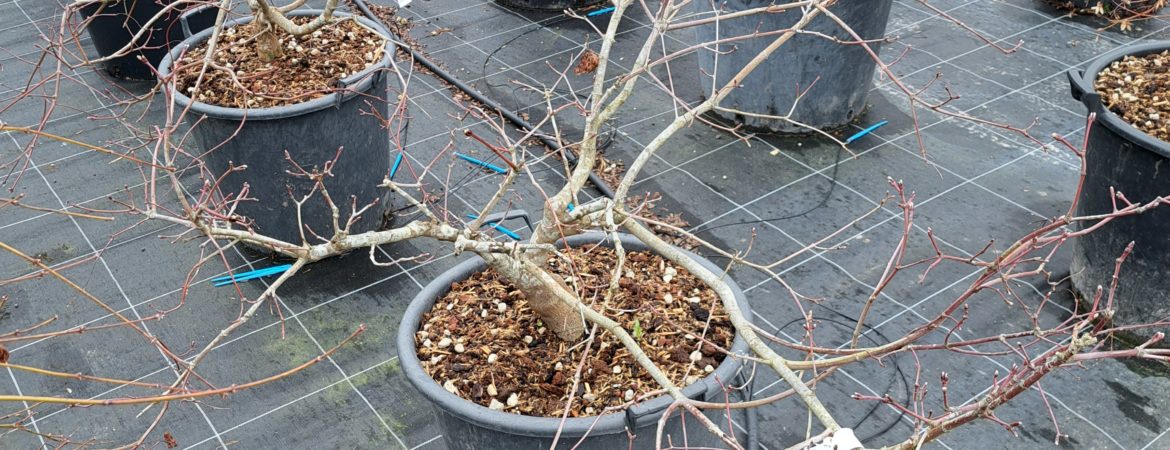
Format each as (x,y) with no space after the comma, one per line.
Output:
(895,376)
(605,139)
(601,185)
(824,201)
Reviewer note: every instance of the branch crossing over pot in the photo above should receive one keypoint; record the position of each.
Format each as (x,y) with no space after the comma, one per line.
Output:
(467,425)
(837,76)
(113,25)
(311,132)
(1120,156)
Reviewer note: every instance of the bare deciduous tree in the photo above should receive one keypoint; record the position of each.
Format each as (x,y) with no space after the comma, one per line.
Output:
(167,195)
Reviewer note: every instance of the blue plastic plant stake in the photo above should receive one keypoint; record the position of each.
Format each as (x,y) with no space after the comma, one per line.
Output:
(509,233)
(397,162)
(600,12)
(251,275)
(862,133)
(485,165)
(497,226)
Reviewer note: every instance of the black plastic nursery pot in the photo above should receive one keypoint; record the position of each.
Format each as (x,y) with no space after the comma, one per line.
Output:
(112,26)
(468,426)
(840,75)
(311,132)
(1120,156)
(549,5)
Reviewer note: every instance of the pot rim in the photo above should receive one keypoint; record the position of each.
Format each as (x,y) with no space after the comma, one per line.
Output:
(547,426)
(1082,83)
(355,83)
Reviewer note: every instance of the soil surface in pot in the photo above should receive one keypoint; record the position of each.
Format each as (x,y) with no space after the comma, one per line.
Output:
(485,344)
(1138,90)
(309,67)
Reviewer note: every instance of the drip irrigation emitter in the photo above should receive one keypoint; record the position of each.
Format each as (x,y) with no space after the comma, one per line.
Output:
(498,227)
(485,165)
(250,275)
(868,130)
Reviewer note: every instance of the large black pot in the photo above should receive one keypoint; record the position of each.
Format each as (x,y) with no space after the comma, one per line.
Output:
(1138,165)
(112,26)
(469,426)
(549,5)
(311,132)
(843,73)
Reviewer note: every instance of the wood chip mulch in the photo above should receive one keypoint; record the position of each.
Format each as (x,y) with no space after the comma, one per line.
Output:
(1138,90)
(309,68)
(483,342)
(1113,9)
(611,171)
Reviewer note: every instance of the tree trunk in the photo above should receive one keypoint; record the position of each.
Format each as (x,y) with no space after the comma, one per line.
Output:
(267,42)
(546,293)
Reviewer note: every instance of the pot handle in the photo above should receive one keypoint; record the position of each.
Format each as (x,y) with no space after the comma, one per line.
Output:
(344,84)
(510,214)
(1082,91)
(636,412)
(651,408)
(187,15)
